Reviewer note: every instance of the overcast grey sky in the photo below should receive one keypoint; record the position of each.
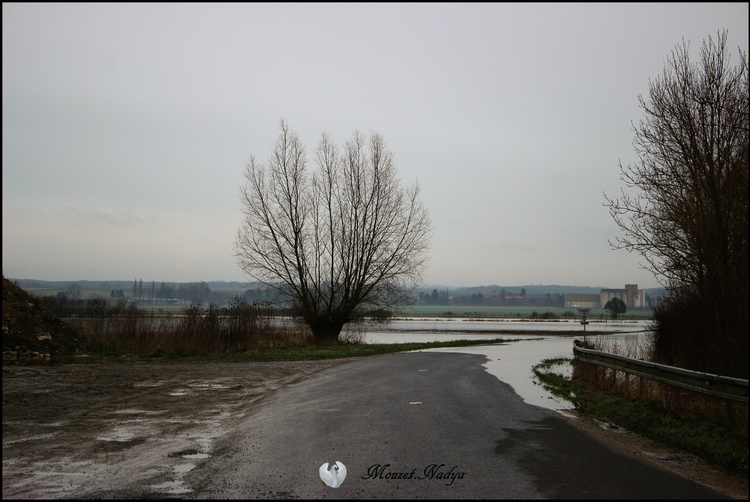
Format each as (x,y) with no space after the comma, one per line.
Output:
(126,127)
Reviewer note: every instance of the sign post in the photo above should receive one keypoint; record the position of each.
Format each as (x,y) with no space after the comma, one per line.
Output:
(584,313)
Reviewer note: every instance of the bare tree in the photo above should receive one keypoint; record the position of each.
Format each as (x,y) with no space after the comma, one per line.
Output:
(342,241)
(687,205)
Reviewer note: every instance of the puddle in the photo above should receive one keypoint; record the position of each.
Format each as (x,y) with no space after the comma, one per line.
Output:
(209,385)
(135,411)
(611,427)
(148,384)
(55,424)
(176,487)
(119,436)
(183,468)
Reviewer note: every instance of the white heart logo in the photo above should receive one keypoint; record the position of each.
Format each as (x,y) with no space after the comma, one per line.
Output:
(334,476)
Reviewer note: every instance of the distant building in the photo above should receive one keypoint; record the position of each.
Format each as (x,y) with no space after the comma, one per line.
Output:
(581,300)
(633,298)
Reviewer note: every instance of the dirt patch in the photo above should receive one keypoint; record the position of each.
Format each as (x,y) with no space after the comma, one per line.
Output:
(85,430)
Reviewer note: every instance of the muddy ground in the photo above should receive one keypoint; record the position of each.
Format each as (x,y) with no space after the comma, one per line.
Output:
(88,430)
(135,429)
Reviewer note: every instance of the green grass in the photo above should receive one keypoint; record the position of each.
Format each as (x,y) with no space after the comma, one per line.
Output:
(499,311)
(358,349)
(312,351)
(712,438)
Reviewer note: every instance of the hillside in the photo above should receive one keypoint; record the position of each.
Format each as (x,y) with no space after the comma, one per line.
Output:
(104,287)
(28,327)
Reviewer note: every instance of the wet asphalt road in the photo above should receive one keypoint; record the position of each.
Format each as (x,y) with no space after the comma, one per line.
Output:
(422,425)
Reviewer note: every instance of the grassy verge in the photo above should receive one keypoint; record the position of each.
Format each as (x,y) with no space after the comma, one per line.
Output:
(712,437)
(345,350)
(308,351)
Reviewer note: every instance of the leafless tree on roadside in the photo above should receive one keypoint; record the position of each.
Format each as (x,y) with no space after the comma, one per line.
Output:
(342,241)
(686,208)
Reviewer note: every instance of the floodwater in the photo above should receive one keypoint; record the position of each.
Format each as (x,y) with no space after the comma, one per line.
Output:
(513,362)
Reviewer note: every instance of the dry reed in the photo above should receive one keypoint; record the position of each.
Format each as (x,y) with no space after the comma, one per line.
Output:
(197,331)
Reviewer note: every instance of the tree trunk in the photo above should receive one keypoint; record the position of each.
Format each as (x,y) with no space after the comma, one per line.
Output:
(326,330)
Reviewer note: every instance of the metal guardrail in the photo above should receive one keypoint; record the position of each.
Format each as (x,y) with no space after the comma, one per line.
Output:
(732,389)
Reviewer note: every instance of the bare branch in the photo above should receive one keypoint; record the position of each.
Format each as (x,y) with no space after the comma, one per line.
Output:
(342,241)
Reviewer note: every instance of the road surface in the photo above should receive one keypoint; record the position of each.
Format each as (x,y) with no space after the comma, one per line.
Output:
(420,425)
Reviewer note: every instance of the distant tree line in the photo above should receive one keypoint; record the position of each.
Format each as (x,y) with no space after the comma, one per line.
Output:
(91,308)
(499,297)
(195,293)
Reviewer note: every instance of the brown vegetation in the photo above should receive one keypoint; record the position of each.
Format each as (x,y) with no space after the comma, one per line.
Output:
(197,332)
(30,331)
(686,208)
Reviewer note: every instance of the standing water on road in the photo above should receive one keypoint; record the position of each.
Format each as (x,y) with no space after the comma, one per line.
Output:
(511,363)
